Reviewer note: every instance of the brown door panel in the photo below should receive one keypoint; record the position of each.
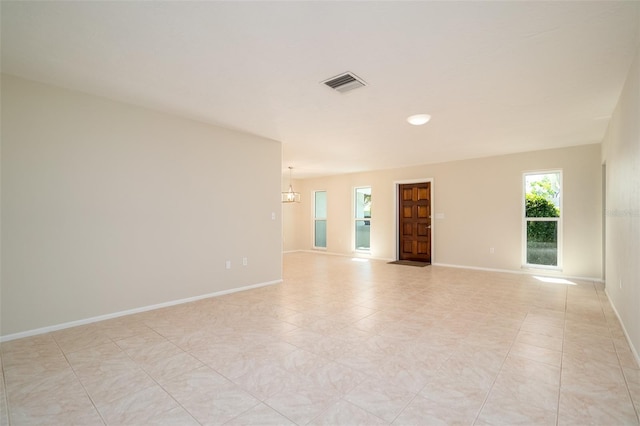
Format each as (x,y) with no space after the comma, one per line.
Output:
(423,230)
(423,194)
(415,222)
(423,247)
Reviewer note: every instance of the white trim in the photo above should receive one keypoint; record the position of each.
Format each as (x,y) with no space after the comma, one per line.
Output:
(91,320)
(314,219)
(521,272)
(450,265)
(559,220)
(396,187)
(541,267)
(355,219)
(358,254)
(633,349)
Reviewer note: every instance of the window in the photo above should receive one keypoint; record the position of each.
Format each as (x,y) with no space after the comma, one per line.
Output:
(363,218)
(542,223)
(320,219)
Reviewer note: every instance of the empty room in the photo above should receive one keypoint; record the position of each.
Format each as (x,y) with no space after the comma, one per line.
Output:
(320,213)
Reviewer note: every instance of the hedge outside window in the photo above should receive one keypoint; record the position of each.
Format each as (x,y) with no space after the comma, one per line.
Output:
(542,219)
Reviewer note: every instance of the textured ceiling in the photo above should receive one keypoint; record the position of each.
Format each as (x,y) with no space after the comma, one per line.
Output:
(497,77)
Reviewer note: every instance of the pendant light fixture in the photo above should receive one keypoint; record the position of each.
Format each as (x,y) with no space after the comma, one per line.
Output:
(290,196)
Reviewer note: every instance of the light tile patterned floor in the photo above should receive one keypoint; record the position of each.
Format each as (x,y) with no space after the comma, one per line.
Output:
(340,343)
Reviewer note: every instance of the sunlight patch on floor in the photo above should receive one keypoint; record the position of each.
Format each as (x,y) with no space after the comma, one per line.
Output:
(552,280)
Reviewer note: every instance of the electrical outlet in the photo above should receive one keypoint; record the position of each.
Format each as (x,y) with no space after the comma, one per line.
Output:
(492,250)
(227,264)
(245,262)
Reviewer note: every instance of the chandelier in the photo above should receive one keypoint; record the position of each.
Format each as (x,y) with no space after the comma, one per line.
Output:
(290,196)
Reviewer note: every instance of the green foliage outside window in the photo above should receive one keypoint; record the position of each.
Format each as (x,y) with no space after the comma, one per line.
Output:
(548,187)
(539,206)
(542,236)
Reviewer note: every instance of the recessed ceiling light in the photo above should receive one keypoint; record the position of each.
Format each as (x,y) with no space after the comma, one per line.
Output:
(419,119)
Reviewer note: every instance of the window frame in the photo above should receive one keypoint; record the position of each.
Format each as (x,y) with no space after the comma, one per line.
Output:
(559,220)
(315,219)
(356,219)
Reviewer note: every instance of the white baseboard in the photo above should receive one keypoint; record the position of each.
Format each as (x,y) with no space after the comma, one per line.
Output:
(448,265)
(633,349)
(540,272)
(359,255)
(85,321)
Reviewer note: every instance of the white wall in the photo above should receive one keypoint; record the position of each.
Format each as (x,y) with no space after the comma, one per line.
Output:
(108,207)
(481,200)
(621,154)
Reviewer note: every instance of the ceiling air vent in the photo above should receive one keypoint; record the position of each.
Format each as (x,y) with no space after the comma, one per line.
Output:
(345,82)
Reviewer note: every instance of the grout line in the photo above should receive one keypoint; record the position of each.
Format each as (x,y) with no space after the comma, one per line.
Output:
(172,397)
(365,410)
(486,398)
(413,398)
(153,379)
(564,327)
(624,376)
(277,411)
(64,354)
(317,302)
(4,384)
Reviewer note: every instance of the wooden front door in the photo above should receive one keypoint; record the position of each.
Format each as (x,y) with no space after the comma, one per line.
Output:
(415,222)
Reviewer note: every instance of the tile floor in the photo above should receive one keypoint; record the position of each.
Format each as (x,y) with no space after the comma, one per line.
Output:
(340,342)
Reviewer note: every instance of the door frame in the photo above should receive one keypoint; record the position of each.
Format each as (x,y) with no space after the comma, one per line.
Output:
(603,272)
(396,196)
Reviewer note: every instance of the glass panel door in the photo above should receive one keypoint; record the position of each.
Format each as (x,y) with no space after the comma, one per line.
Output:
(363,218)
(320,219)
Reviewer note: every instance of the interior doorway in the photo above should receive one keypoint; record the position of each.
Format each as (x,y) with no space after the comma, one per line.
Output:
(414,221)
(604,222)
